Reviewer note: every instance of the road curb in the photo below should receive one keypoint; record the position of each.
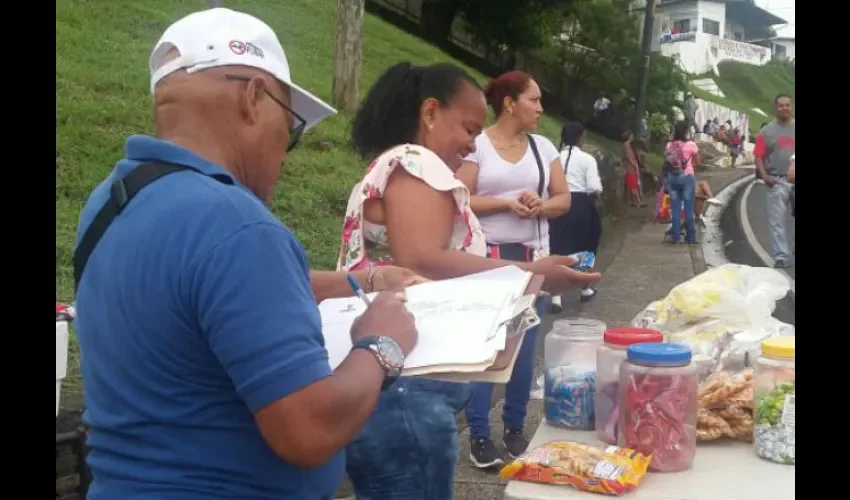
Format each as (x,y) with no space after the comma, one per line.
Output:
(712,253)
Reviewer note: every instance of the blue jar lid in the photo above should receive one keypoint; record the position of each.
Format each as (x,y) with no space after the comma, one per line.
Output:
(659,353)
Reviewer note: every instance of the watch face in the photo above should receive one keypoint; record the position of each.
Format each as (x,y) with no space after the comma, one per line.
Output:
(391,352)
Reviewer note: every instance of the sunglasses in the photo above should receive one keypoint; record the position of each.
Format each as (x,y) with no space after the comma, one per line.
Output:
(296,129)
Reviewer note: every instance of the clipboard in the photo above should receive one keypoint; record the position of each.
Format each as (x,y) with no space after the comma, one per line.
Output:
(500,371)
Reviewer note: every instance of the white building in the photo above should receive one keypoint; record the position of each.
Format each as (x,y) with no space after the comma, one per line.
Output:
(702,33)
(783,48)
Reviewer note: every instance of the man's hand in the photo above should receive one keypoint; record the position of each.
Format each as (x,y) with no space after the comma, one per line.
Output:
(769,181)
(559,275)
(792,172)
(387,316)
(393,278)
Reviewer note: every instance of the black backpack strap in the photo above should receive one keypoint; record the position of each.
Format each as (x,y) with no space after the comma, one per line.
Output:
(122,192)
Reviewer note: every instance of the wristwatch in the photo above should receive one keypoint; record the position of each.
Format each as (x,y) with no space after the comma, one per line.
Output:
(387,352)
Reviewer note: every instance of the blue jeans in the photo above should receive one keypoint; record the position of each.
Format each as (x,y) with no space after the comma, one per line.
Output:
(517,391)
(682,190)
(408,449)
(778,200)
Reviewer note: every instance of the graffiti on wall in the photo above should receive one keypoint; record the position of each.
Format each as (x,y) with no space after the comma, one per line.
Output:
(723,48)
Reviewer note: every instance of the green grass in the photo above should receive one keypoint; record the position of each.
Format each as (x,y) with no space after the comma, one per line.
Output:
(102,96)
(746,87)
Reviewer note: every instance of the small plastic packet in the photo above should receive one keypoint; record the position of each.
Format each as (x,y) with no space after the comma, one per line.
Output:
(612,471)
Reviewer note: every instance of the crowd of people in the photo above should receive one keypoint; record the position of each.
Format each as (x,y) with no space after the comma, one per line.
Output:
(203,357)
(202,352)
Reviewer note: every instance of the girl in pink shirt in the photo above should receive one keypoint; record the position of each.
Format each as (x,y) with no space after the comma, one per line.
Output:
(681,184)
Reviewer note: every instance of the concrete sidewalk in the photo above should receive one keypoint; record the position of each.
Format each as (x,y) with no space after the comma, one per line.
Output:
(637,269)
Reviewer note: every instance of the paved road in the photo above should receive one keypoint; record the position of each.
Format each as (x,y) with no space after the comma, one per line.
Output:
(757,215)
(740,249)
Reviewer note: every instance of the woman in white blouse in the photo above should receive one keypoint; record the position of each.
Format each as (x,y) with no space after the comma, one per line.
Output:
(580,229)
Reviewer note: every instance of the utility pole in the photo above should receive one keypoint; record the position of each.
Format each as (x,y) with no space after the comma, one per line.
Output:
(348,54)
(643,73)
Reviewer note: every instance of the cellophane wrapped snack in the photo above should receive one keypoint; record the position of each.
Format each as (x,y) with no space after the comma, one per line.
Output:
(612,471)
(725,404)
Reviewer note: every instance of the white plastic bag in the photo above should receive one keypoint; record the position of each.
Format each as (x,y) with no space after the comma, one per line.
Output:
(738,295)
(723,314)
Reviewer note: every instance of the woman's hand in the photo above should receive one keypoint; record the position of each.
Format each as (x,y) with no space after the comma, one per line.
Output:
(520,208)
(532,204)
(390,278)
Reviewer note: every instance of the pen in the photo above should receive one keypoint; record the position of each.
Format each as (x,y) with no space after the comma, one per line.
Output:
(355,286)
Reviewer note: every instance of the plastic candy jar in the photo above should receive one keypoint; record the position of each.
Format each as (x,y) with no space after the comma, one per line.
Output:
(775,394)
(658,404)
(570,376)
(608,359)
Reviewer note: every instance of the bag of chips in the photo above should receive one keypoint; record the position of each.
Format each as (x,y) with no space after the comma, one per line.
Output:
(612,471)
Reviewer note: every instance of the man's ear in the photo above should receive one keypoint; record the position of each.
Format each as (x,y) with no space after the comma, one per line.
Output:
(251,98)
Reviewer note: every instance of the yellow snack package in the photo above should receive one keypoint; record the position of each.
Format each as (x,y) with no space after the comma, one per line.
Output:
(612,471)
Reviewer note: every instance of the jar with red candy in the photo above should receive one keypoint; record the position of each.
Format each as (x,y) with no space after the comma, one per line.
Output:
(608,359)
(658,404)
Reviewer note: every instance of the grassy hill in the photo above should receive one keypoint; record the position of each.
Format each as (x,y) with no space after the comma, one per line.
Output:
(102,96)
(746,87)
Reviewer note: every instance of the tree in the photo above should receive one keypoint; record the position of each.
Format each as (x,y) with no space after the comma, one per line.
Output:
(519,24)
(598,53)
(348,54)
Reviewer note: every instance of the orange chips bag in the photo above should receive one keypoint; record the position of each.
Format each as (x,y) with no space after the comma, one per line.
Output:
(612,471)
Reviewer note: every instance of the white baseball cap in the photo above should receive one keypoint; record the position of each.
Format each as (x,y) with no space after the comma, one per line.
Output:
(223,37)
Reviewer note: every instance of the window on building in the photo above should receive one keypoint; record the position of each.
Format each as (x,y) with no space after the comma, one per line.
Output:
(682,25)
(779,51)
(711,27)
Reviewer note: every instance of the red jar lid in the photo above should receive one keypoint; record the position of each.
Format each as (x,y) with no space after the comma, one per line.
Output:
(632,335)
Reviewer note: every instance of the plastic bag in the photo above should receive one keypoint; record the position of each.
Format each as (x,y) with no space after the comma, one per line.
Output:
(720,346)
(612,471)
(739,295)
(725,405)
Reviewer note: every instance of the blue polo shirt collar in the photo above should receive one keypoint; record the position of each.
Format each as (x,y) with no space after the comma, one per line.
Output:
(143,148)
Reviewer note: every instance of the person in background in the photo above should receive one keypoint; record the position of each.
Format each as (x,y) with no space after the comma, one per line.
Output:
(774,146)
(721,134)
(201,341)
(691,107)
(706,129)
(792,178)
(414,127)
(703,197)
(631,165)
(580,229)
(734,146)
(713,127)
(517,182)
(681,184)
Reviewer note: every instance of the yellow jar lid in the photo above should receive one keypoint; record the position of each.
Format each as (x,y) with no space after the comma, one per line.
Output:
(778,347)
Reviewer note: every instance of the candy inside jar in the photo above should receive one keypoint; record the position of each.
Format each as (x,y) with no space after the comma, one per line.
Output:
(570,372)
(658,404)
(609,356)
(775,401)
(568,397)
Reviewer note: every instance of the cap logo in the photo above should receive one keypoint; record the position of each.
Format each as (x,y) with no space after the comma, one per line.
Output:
(240,48)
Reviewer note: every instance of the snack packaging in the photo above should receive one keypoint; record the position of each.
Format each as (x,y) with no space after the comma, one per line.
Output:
(612,471)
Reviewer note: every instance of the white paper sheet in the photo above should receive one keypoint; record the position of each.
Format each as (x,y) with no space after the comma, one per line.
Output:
(459,321)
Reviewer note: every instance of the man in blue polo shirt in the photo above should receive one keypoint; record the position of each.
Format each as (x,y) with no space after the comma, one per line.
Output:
(202,353)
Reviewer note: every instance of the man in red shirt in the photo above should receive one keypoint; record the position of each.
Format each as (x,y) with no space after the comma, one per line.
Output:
(775,145)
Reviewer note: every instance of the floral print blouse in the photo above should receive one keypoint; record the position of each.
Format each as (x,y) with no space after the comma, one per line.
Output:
(365,244)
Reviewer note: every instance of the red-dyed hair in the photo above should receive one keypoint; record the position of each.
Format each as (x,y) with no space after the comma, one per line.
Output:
(510,84)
